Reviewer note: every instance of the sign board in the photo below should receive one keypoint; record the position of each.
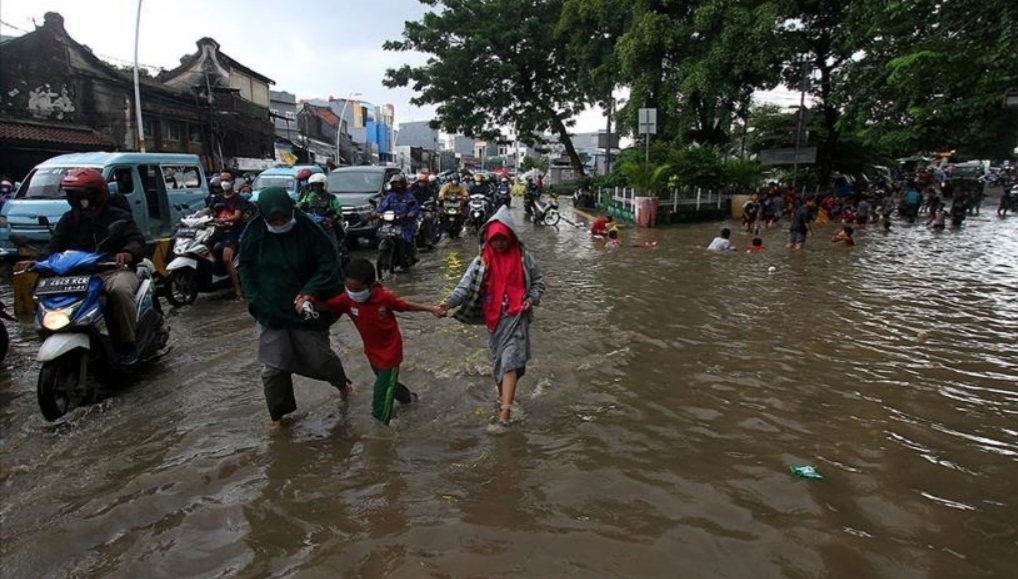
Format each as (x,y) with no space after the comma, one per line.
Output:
(602,141)
(807,156)
(647,121)
(1011,100)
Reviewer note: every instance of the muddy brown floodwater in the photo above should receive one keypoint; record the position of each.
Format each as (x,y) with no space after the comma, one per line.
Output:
(669,394)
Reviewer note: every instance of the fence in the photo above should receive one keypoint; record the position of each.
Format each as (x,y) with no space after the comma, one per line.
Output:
(684,205)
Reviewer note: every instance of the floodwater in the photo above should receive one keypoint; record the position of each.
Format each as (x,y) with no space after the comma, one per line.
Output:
(669,394)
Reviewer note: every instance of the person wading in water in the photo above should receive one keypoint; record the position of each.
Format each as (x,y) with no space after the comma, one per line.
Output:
(499,290)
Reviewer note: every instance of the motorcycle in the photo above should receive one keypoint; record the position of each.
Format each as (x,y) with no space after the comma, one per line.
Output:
(503,197)
(5,338)
(546,213)
(452,218)
(392,250)
(338,237)
(477,211)
(428,231)
(583,198)
(77,342)
(195,268)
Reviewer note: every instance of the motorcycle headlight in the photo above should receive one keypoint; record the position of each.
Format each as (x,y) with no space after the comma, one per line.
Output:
(55,320)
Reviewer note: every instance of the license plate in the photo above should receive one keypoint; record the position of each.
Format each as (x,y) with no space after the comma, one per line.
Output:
(187,234)
(74,284)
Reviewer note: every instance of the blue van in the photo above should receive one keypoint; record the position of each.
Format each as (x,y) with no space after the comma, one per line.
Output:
(285,177)
(159,187)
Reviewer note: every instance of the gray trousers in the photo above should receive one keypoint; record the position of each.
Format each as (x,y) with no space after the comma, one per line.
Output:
(122,313)
(285,352)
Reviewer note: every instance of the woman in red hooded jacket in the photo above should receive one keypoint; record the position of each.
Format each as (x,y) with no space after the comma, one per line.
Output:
(499,290)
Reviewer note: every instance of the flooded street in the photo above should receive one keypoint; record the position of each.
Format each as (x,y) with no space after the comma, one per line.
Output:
(669,393)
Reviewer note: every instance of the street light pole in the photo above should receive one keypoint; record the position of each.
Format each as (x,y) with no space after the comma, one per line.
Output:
(137,84)
(339,126)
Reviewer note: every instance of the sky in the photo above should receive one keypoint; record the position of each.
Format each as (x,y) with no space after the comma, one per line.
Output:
(316,49)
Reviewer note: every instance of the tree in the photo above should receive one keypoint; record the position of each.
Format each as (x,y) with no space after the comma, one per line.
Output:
(929,83)
(511,47)
(128,69)
(540,163)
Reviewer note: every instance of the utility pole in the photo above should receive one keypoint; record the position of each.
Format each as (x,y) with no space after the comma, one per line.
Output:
(608,145)
(798,128)
(137,82)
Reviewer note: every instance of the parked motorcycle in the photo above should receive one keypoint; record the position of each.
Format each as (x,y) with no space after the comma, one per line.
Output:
(77,342)
(428,231)
(546,212)
(5,338)
(392,249)
(452,218)
(477,211)
(194,268)
(583,198)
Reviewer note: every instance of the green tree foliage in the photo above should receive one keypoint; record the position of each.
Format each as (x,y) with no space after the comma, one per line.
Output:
(494,64)
(540,163)
(933,76)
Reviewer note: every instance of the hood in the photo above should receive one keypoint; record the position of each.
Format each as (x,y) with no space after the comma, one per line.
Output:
(505,217)
(274,201)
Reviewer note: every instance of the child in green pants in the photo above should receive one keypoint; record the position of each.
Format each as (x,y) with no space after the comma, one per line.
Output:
(372,309)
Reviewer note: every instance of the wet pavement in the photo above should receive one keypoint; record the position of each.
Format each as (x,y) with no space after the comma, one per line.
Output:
(669,394)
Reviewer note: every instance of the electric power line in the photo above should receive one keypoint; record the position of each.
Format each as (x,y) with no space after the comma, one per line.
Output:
(13,27)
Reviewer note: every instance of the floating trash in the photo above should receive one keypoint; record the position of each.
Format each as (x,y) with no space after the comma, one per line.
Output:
(806,472)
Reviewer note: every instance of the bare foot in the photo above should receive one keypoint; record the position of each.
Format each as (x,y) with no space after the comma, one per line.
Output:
(505,415)
(275,427)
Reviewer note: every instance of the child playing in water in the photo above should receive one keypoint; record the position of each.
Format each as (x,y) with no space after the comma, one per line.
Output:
(757,246)
(613,238)
(722,243)
(844,236)
(371,307)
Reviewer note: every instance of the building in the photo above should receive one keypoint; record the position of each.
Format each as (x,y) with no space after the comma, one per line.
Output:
(235,100)
(57,97)
(367,125)
(318,127)
(419,134)
(283,109)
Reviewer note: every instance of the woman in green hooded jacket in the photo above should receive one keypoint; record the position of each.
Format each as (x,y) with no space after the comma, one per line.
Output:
(285,259)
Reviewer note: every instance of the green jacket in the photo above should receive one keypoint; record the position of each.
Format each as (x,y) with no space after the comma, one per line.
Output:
(310,202)
(276,268)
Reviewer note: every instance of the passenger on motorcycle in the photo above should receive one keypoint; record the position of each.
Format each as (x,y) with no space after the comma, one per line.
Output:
(228,208)
(87,226)
(454,190)
(303,181)
(479,187)
(401,201)
(318,201)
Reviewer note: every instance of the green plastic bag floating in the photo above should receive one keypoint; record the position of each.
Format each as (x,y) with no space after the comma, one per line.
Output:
(806,472)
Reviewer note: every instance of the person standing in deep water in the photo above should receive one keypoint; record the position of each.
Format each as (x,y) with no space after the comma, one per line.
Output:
(499,290)
(286,260)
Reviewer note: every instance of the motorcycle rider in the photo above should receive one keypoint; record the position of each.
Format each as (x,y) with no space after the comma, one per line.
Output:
(423,191)
(85,227)
(455,190)
(531,197)
(228,209)
(505,189)
(318,201)
(400,200)
(303,176)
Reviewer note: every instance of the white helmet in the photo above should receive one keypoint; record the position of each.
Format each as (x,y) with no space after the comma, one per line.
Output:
(317,178)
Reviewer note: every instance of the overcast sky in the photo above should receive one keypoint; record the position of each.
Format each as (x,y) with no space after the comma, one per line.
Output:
(312,48)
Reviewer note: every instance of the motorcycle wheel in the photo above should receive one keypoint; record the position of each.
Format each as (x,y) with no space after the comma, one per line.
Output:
(183,290)
(551,218)
(59,388)
(5,342)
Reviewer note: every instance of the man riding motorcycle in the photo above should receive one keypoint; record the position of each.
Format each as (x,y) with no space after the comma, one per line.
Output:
(401,201)
(318,201)
(454,190)
(303,181)
(424,191)
(86,227)
(531,197)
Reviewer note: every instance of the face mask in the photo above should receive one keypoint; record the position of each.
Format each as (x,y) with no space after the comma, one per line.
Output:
(359,297)
(280,229)
(83,203)
(226,185)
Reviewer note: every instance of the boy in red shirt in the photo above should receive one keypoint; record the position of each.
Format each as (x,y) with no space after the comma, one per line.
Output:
(372,309)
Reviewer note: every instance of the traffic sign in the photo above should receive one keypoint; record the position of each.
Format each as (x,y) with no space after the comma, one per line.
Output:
(647,121)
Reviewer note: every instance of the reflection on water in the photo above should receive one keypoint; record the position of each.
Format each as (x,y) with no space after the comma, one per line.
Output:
(669,394)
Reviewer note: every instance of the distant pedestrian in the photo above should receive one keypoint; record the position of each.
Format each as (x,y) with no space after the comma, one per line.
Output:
(723,242)
(802,224)
(757,246)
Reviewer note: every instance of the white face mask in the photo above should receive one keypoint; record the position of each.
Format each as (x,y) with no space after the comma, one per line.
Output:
(83,203)
(279,229)
(361,296)
(226,185)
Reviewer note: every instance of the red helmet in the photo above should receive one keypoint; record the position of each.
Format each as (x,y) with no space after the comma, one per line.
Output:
(84,183)
(422,177)
(303,174)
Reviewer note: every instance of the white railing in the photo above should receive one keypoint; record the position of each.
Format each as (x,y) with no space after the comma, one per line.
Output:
(624,199)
